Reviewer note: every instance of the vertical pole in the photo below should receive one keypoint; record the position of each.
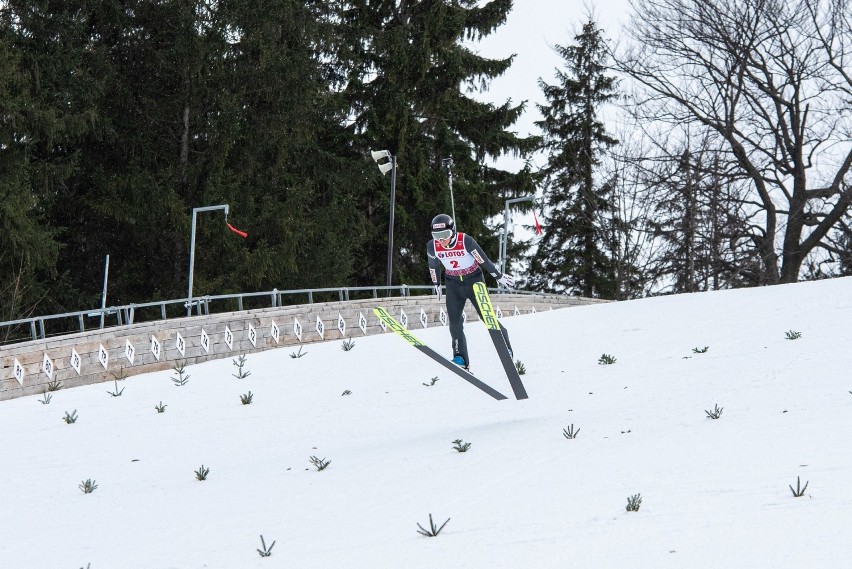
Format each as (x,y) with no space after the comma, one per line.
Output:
(504,238)
(390,227)
(103,296)
(191,264)
(195,210)
(452,199)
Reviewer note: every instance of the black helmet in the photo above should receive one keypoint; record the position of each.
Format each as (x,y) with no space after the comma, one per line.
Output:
(443,227)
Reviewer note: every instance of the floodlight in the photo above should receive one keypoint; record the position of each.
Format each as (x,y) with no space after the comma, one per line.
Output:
(379,154)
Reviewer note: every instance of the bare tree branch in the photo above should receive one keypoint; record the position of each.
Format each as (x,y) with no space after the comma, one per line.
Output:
(770,81)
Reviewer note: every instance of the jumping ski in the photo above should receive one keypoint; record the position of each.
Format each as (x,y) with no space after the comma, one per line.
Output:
(394,325)
(489,317)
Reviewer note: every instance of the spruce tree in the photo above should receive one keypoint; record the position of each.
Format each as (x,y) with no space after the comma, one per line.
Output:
(676,220)
(139,113)
(571,256)
(694,224)
(28,249)
(288,168)
(408,75)
(842,242)
(49,108)
(225,105)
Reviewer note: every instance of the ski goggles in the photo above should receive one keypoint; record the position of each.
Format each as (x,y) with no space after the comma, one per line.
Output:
(444,234)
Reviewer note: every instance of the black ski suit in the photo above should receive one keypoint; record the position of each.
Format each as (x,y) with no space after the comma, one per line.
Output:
(463,251)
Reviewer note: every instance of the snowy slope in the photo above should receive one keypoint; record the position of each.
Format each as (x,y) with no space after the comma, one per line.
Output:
(714,492)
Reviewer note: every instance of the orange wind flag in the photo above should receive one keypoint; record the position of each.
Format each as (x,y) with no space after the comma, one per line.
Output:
(242,234)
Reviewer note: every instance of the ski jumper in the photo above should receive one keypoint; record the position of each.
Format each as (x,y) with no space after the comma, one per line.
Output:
(461,260)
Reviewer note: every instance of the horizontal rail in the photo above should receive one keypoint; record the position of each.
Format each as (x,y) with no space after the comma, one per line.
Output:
(36,327)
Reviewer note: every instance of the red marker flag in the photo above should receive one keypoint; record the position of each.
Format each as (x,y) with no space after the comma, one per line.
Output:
(537,225)
(242,234)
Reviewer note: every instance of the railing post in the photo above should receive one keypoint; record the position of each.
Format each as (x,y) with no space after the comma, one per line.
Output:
(310,297)
(103,296)
(240,302)
(33,330)
(41,328)
(82,323)
(163,311)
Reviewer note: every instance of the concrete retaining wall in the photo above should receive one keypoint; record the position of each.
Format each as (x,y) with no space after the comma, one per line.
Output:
(103,355)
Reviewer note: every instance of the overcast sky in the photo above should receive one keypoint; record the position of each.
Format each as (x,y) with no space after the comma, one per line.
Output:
(531,31)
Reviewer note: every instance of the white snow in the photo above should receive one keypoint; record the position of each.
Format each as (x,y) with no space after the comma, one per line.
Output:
(715,493)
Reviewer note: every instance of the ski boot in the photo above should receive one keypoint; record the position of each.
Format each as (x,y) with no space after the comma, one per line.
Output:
(459,361)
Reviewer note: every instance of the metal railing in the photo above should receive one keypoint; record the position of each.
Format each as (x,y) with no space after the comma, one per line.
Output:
(42,327)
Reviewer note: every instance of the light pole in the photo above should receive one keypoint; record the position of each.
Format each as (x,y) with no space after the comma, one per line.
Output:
(384,168)
(504,239)
(449,164)
(195,210)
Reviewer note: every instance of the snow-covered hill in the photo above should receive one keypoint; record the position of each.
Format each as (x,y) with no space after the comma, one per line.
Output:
(713,492)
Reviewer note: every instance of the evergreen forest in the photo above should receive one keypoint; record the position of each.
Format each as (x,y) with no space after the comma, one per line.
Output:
(119,117)
(729,162)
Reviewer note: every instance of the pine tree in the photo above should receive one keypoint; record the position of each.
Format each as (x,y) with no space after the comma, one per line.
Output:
(570,256)
(28,250)
(695,225)
(408,72)
(843,249)
(227,104)
(49,107)
(676,220)
(289,168)
(140,112)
